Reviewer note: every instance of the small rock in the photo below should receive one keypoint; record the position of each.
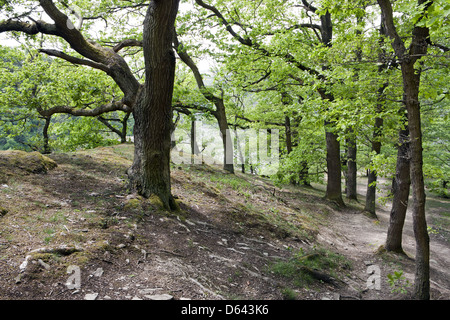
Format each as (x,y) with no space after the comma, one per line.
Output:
(98,272)
(160,297)
(43,264)
(136,298)
(24,264)
(18,279)
(91,296)
(148,291)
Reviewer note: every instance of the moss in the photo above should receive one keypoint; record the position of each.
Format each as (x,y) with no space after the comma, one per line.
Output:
(3,211)
(80,258)
(133,204)
(26,162)
(155,201)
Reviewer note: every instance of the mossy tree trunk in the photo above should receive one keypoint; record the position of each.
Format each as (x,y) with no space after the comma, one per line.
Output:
(150,172)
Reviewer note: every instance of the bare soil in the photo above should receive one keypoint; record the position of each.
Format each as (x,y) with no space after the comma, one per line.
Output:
(235,237)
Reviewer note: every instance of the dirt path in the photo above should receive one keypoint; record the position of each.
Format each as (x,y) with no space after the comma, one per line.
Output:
(358,236)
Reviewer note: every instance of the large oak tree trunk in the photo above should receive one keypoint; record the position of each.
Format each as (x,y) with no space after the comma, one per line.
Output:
(150,172)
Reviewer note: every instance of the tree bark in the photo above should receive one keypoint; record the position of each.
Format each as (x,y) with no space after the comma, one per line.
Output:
(351,182)
(47,149)
(334,188)
(422,276)
(220,114)
(400,188)
(150,172)
(194,146)
(411,85)
(372,174)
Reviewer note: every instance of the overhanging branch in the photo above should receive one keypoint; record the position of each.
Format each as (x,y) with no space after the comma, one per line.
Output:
(74,60)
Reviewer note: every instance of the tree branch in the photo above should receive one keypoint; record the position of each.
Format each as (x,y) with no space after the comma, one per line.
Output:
(114,106)
(248,42)
(127,43)
(30,28)
(74,60)
(386,11)
(186,58)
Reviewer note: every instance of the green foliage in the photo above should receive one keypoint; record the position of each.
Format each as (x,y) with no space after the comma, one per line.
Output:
(274,77)
(398,282)
(32,84)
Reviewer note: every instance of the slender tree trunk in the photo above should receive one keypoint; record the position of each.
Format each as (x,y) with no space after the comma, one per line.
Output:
(47,149)
(411,85)
(400,188)
(150,172)
(334,188)
(123,135)
(239,149)
(304,174)
(422,277)
(351,181)
(228,156)
(194,146)
(372,175)
(288,133)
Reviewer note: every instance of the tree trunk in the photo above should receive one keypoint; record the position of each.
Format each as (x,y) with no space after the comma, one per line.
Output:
(411,86)
(219,113)
(411,81)
(150,172)
(123,135)
(334,188)
(351,182)
(194,146)
(304,174)
(372,174)
(288,133)
(400,189)
(47,149)
(228,160)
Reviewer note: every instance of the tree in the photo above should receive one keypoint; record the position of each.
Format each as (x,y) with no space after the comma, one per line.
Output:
(218,100)
(253,33)
(150,172)
(408,58)
(32,89)
(150,102)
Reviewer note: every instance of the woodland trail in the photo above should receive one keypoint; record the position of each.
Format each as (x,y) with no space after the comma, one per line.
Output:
(363,236)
